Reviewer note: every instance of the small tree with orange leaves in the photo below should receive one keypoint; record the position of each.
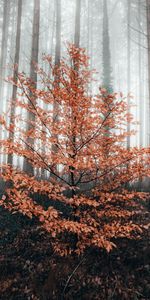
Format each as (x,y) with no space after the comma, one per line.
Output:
(82,149)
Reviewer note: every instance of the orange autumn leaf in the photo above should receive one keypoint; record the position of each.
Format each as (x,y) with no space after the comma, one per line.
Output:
(77,139)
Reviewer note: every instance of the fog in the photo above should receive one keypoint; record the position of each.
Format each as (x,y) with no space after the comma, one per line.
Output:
(113,32)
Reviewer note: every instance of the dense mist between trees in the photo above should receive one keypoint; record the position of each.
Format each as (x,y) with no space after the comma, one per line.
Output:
(114,34)
(74,149)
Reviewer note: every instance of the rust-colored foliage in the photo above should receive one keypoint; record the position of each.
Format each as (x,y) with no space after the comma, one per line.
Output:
(82,146)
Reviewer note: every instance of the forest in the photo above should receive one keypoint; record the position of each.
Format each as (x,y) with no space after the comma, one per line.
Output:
(74,149)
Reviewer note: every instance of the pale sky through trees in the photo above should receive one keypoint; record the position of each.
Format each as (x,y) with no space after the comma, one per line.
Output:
(127,42)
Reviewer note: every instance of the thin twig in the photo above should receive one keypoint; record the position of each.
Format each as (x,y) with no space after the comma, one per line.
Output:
(71,275)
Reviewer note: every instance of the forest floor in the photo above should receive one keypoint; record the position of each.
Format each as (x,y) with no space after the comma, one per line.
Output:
(30,270)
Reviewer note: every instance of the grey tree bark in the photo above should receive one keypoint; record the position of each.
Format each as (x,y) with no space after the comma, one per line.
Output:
(58,32)
(5,26)
(128,64)
(3,57)
(148,42)
(77,44)
(106,56)
(57,62)
(77,23)
(15,75)
(27,166)
(141,140)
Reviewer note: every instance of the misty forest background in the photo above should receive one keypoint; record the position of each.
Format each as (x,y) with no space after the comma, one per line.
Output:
(115,35)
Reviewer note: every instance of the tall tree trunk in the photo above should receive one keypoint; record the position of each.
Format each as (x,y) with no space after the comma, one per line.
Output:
(77,23)
(90,39)
(57,62)
(77,44)
(107,71)
(11,41)
(148,42)
(88,27)
(140,77)
(128,64)
(3,57)
(5,26)
(27,166)
(15,75)
(58,32)
(92,42)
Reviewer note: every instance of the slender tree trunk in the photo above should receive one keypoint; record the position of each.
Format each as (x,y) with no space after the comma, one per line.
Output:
(58,32)
(27,167)
(90,40)
(140,77)
(88,28)
(107,71)
(52,37)
(11,41)
(141,104)
(77,23)
(50,51)
(148,42)
(3,57)
(128,63)
(77,44)
(35,40)
(92,44)
(15,75)
(57,63)
(5,25)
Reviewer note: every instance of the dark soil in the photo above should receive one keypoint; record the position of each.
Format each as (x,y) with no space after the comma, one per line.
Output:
(29,269)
